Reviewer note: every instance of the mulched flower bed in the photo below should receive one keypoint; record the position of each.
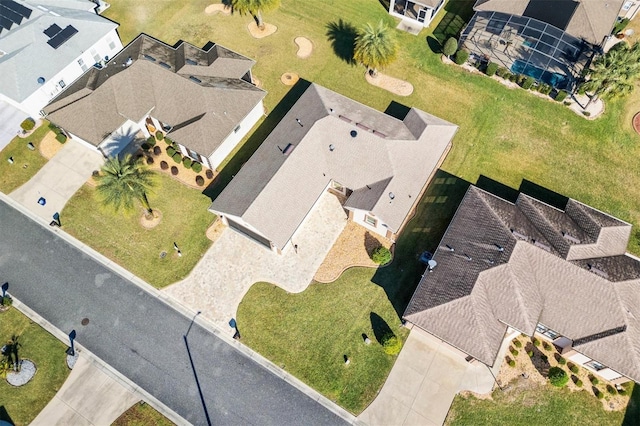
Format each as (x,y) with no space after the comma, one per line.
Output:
(636,123)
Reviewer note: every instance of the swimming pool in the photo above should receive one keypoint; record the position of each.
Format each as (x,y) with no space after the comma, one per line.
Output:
(551,78)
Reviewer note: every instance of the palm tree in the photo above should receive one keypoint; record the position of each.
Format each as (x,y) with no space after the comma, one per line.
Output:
(124,180)
(613,74)
(254,8)
(375,47)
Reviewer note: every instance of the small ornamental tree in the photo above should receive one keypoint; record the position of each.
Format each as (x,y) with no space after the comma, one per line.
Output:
(492,67)
(558,377)
(450,47)
(381,255)
(461,57)
(28,124)
(196,167)
(391,344)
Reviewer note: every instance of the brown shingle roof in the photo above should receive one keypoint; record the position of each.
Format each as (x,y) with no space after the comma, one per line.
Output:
(203,111)
(512,265)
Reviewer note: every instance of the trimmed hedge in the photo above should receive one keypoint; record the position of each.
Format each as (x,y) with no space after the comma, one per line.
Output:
(61,137)
(612,390)
(196,167)
(28,124)
(562,361)
(511,363)
(594,380)
(492,67)
(528,83)
(391,344)
(171,151)
(177,157)
(187,162)
(461,57)
(574,368)
(513,351)
(151,141)
(558,377)
(517,343)
(159,135)
(381,255)
(579,383)
(450,46)
(561,95)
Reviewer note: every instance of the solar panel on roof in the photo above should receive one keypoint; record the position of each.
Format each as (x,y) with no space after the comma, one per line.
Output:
(21,10)
(52,30)
(5,23)
(14,17)
(62,36)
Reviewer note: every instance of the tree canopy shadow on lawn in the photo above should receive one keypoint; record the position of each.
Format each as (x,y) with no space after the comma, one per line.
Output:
(379,326)
(632,414)
(342,36)
(4,415)
(423,232)
(255,140)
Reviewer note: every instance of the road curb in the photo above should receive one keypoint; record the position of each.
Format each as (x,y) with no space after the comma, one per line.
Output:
(224,335)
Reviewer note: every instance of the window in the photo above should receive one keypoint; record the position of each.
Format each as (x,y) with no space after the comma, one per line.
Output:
(62,83)
(338,187)
(371,220)
(96,57)
(595,365)
(82,65)
(546,331)
(112,44)
(194,155)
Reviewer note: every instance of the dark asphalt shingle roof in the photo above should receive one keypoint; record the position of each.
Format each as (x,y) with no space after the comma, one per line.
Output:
(512,265)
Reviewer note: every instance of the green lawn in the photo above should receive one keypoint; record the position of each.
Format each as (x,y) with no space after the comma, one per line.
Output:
(142,414)
(539,405)
(120,237)
(22,404)
(308,333)
(14,175)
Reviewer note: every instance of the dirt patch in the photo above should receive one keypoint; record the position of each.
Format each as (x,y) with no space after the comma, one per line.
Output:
(219,8)
(289,78)
(391,84)
(305,47)
(353,248)
(150,221)
(49,146)
(258,33)
(256,82)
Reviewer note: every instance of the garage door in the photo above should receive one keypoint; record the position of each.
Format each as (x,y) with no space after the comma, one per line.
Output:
(249,233)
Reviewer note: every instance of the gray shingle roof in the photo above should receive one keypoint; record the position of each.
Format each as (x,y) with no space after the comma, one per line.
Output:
(512,265)
(274,191)
(203,112)
(27,54)
(591,20)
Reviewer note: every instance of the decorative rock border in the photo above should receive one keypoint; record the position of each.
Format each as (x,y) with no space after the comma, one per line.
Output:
(27,371)
(636,123)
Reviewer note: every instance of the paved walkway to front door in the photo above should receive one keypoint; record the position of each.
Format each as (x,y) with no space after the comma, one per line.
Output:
(234,263)
(59,179)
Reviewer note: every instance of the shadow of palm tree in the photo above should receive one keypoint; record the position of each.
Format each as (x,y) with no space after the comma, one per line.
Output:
(4,415)
(342,36)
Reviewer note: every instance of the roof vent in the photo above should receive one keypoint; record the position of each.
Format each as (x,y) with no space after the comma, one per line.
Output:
(431,264)
(195,79)
(541,245)
(165,65)
(331,147)
(128,62)
(499,247)
(353,133)
(288,149)
(597,271)
(467,256)
(519,236)
(190,62)
(392,195)
(41,80)
(570,238)
(449,247)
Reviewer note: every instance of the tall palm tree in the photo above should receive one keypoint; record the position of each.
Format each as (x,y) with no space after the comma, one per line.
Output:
(375,47)
(124,180)
(613,74)
(254,8)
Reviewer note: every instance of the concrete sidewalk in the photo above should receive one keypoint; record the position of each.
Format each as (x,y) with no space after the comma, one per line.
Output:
(59,179)
(89,396)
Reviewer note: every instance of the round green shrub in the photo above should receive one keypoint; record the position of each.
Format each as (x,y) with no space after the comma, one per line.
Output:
(170,151)
(574,368)
(502,72)
(612,390)
(579,383)
(530,353)
(546,346)
(177,157)
(594,380)
(517,343)
(381,255)
(187,162)
(450,46)
(586,113)
(527,83)
(561,95)
(151,141)
(535,341)
(159,135)
(599,394)
(492,67)
(511,363)
(391,344)
(28,124)
(196,167)
(558,377)
(514,351)
(623,391)
(562,361)
(61,137)
(461,57)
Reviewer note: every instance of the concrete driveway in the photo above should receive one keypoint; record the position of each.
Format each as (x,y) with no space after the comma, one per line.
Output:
(10,119)
(59,179)
(89,396)
(423,382)
(220,280)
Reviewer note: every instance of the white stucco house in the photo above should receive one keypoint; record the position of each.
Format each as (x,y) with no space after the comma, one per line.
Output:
(378,166)
(45,45)
(203,99)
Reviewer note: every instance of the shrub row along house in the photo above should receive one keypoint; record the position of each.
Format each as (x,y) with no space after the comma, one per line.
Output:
(203,98)
(561,274)
(551,41)
(47,44)
(379,164)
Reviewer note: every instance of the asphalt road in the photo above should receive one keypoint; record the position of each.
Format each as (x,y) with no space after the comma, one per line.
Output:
(141,336)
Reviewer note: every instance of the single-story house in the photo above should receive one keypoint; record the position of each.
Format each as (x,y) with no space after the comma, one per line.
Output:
(204,99)
(549,40)
(421,12)
(378,164)
(45,45)
(560,274)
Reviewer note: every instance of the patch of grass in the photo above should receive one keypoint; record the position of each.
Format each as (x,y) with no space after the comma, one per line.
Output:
(142,414)
(22,404)
(120,237)
(12,176)
(535,405)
